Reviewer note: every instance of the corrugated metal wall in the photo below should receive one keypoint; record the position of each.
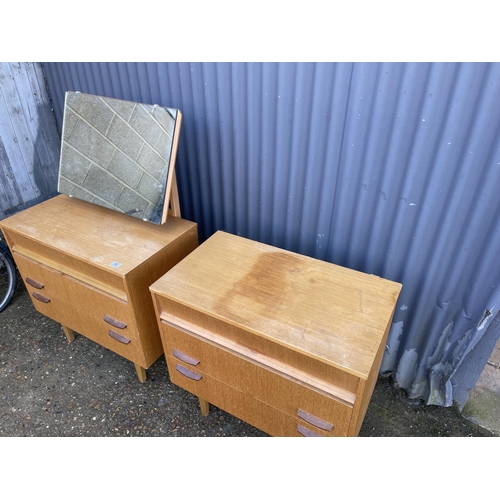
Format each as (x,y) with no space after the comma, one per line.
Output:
(29,139)
(388,168)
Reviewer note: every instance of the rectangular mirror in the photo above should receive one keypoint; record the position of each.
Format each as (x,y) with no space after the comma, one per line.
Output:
(119,154)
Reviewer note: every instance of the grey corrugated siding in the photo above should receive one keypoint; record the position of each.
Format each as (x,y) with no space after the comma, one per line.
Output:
(391,169)
(29,140)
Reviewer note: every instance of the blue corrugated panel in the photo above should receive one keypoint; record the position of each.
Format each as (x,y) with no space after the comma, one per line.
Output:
(388,168)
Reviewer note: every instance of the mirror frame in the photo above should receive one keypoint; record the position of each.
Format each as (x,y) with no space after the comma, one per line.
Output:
(171,205)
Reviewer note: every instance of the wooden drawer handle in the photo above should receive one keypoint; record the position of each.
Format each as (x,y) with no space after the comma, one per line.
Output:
(33,283)
(118,337)
(307,432)
(41,298)
(184,357)
(314,420)
(187,373)
(114,322)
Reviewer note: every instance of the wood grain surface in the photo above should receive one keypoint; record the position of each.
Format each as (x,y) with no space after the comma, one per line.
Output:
(331,313)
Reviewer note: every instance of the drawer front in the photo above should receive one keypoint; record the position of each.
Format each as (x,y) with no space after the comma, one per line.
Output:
(67,264)
(86,310)
(45,288)
(106,320)
(192,320)
(281,392)
(99,308)
(238,403)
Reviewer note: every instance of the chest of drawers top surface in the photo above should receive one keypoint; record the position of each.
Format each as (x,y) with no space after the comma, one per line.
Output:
(106,239)
(333,314)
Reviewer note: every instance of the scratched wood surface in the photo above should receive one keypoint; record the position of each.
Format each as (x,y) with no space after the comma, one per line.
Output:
(98,237)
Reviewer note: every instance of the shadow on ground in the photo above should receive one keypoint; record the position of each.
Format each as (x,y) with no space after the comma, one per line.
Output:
(49,387)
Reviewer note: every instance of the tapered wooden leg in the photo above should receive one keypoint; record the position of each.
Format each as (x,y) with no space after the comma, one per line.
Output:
(141,372)
(204,406)
(70,334)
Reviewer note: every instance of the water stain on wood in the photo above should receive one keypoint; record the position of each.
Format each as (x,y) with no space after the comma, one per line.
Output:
(263,290)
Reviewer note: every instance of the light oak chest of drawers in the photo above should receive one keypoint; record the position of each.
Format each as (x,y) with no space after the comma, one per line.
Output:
(89,268)
(287,343)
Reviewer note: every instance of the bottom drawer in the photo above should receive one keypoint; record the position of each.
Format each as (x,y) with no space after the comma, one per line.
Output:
(236,402)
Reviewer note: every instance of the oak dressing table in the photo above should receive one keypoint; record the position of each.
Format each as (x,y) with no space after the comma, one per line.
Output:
(88,255)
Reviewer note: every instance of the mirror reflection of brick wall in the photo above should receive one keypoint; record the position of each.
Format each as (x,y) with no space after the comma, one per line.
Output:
(116,153)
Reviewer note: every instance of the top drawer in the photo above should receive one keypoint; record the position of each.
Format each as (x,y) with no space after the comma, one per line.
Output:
(65,263)
(170,311)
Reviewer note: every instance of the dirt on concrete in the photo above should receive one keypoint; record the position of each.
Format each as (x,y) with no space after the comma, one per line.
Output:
(50,387)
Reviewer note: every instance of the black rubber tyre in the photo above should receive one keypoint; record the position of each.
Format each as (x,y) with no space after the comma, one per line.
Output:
(7,277)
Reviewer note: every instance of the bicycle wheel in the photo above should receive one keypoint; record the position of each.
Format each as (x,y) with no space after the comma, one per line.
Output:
(7,277)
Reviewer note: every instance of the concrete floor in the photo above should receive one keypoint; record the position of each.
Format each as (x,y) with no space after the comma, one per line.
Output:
(483,405)
(49,387)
